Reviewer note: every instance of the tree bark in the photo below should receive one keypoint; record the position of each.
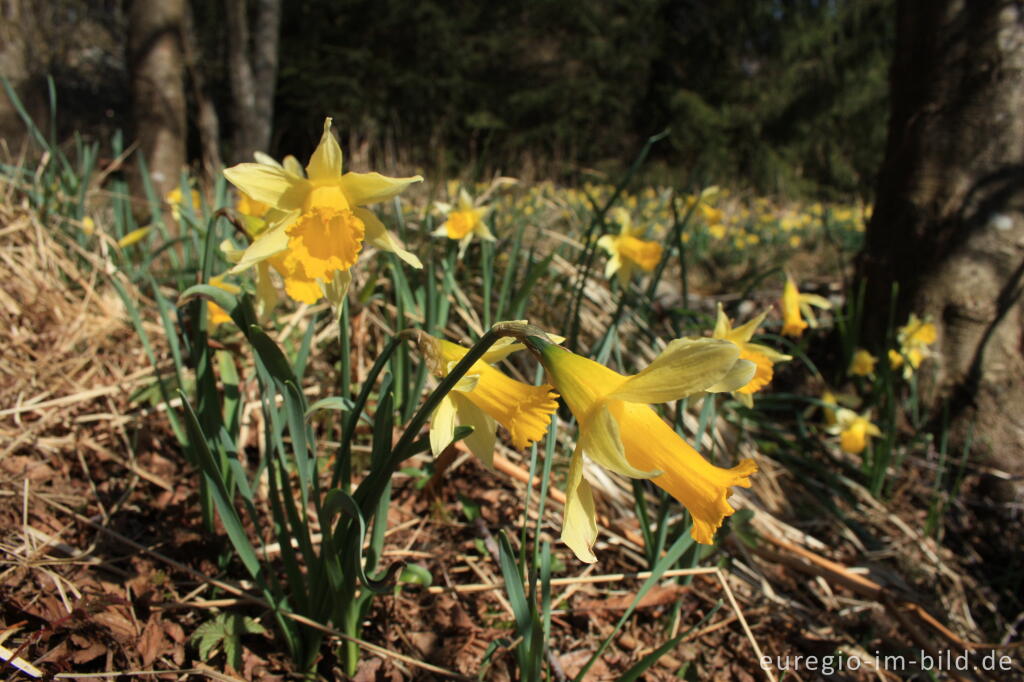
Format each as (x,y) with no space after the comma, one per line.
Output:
(948,225)
(156,64)
(253,62)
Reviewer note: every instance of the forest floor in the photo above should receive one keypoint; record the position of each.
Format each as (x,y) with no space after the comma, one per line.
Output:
(105,565)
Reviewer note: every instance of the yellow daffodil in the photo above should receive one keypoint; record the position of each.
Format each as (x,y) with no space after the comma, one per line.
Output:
(862,364)
(323,224)
(216,315)
(175,198)
(485,397)
(464,220)
(619,430)
(854,430)
(626,250)
(794,303)
(829,398)
(763,357)
(914,338)
(134,237)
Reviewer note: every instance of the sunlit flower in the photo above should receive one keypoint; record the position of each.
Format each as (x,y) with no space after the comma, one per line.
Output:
(763,357)
(216,315)
(626,250)
(854,430)
(175,198)
(134,237)
(484,398)
(914,338)
(794,303)
(619,430)
(463,220)
(829,399)
(324,223)
(862,364)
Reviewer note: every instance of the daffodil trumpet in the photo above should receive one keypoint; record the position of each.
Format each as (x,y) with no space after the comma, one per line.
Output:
(619,430)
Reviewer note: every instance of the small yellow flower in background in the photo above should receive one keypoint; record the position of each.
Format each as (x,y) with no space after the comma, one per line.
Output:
(763,357)
(794,303)
(619,430)
(854,430)
(134,237)
(323,224)
(485,397)
(464,220)
(718,230)
(829,398)
(88,226)
(626,250)
(862,364)
(253,214)
(914,338)
(175,198)
(216,315)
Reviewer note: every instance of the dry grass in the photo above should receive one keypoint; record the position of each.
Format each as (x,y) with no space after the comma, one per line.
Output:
(103,566)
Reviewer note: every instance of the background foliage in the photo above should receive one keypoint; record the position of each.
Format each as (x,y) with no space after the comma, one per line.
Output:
(779,95)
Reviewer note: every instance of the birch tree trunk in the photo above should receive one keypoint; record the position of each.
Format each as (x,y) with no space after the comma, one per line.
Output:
(948,225)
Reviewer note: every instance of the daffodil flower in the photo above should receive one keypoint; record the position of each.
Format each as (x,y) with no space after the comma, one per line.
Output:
(620,431)
(626,250)
(484,398)
(324,223)
(862,364)
(463,220)
(215,315)
(829,399)
(763,357)
(914,338)
(854,430)
(794,303)
(175,199)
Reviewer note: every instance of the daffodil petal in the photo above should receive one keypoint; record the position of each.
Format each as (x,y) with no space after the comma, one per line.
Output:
(442,425)
(501,349)
(370,188)
(746,330)
(722,325)
(601,440)
(266,294)
(579,520)
(685,367)
(815,300)
(768,352)
(738,377)
(607,242)
(337,287)
(231,254)
(269,184)
(269,244)
(266,159)
(325,164)
(379,236)
(481,441)
(292,165)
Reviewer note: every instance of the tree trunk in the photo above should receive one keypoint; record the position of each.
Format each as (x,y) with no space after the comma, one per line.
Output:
(253,64)
(19,65)
(156,64)
(948,225)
